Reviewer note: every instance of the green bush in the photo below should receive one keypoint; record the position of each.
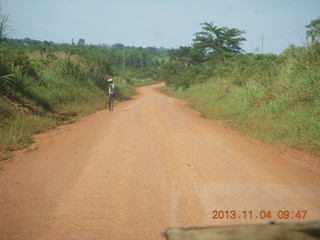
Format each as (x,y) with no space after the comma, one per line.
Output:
(268,97)
(41,88)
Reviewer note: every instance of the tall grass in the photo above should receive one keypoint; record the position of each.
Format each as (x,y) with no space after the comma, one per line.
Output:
(40,89)
(272,98)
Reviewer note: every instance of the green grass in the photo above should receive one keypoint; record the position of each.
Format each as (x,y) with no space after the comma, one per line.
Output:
(17,133)
(47,90)
(5,156)
(274,99)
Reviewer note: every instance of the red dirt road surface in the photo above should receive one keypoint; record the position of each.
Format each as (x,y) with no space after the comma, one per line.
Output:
(149,165)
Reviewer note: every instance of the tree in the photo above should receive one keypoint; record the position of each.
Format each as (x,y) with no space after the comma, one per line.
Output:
(81,42)
(118,46)
(3,26)
(185,55)
(314,30)
(218,40)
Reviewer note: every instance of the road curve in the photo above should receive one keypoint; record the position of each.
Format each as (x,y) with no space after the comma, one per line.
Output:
(149,165)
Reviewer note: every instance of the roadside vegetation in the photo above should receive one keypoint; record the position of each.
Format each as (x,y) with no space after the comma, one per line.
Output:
(273,98)
(43,84)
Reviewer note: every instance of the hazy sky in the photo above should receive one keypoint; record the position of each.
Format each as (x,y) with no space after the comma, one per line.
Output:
(166,23)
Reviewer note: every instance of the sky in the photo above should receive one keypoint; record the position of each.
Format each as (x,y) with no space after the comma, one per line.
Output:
(161,23)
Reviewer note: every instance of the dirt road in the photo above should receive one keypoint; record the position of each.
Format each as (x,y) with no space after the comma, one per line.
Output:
(149,165)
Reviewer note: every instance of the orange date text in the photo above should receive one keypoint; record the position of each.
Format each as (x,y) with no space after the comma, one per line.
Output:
(262,214)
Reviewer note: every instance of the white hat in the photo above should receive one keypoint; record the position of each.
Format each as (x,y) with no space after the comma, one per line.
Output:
(110,80)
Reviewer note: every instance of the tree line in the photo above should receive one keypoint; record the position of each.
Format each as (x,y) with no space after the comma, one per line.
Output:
(213,50)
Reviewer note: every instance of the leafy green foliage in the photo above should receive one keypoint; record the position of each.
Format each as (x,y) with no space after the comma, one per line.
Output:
(314,30)
(3,25)
(274,98)
(43,84)
(213,41)
(81,42)
(193,64)
(42,87)
(269,97)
